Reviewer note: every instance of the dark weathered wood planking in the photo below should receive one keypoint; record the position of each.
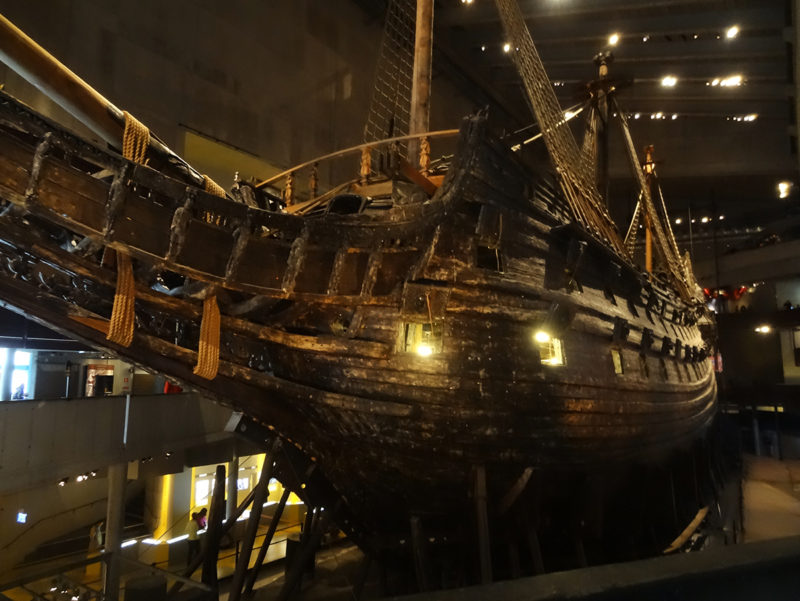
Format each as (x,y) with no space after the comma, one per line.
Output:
(318,353)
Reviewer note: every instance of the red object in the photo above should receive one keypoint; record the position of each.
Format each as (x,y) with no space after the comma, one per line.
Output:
(170,388)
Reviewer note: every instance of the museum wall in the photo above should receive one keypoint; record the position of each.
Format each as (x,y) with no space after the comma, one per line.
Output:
(276,82)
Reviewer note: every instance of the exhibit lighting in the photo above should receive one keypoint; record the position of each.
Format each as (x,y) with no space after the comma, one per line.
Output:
(732,32)
(784,188)
(678,221)
(541,337)
(669,81)
(613,39)
(765,329)
(22,517)
(731,82)
(424,350)
(506,47)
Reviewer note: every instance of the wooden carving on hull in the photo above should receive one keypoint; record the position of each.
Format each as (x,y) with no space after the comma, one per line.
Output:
(402,338)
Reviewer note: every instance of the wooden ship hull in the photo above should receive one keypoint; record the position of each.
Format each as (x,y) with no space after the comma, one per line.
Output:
(317,315)
(432,352)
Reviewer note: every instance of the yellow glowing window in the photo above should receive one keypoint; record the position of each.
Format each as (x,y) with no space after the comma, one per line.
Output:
(425,339)
(616,358)
(551,351)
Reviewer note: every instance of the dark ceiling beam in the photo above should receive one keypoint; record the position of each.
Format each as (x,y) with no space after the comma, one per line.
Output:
(736,59)
(486,12)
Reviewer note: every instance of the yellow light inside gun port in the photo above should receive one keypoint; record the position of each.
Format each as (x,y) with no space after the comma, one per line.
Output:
(541,337)
(424,350)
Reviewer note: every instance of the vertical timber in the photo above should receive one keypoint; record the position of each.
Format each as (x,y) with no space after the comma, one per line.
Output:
(421,79)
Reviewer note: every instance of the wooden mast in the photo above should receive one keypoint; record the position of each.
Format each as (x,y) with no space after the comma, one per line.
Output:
(421,80)
(648,226)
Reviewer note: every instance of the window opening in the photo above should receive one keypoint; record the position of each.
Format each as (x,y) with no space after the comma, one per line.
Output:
(551,349)
(489,258)
(21,375)
(425,339)
(616,358)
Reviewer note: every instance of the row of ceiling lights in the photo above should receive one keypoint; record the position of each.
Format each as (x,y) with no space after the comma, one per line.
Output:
(730,33)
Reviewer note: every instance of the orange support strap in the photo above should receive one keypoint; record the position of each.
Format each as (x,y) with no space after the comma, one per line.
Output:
(208,350)
(120,329)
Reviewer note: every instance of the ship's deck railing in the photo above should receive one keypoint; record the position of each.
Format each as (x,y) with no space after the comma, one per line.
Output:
(377,160)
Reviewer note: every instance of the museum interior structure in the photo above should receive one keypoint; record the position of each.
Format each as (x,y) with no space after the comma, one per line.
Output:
(362,299)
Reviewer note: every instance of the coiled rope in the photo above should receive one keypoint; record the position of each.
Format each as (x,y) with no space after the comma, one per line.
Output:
(135,141)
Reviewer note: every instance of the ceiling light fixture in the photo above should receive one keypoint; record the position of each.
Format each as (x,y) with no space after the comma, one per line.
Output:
(732,32)
(669,81)
(731,82)
(784,189)
(506,47)
(613,39)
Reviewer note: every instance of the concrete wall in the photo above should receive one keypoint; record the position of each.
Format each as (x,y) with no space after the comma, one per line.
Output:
(283,81)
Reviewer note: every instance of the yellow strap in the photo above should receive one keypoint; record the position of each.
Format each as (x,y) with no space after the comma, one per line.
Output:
(213,187)
(135,139)
(208,350)
(120,329)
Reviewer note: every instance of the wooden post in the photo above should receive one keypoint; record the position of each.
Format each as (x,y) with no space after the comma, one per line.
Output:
(288,190)
(313,181)
(214,531)
(421,83)
(533,543)
(187,573)
(260,497)
(262,552)
(482,516)
(365,166)
(231,498)
(418,549)
(361,580)
(310,543)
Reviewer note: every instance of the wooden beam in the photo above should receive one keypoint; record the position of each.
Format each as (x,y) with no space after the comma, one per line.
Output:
(482,517)
(418,549)
(214,532)
(408,171)
(260,497)
(262,552)
(419,117)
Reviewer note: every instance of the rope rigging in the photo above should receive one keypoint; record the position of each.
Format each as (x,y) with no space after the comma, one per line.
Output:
(578,186)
